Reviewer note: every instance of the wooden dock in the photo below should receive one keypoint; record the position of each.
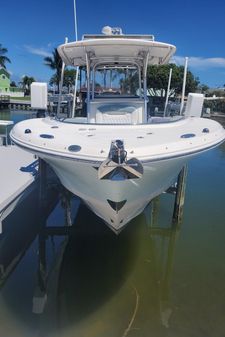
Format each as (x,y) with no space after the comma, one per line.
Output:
(18,172)
(4,100)
(25,104)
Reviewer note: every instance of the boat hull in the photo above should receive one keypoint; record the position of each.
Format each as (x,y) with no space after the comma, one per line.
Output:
(116,202)
(85,158)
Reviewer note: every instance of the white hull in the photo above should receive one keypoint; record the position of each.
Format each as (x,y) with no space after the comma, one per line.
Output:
(82,180)
(160,149)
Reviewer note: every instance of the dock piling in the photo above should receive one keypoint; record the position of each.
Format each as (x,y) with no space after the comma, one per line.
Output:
(180,195)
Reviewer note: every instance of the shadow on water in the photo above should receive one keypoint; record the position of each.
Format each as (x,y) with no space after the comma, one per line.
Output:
(90,282)
(18,259)
(17,237)
(95,284)
(20,227)
(106,282)
(96,263)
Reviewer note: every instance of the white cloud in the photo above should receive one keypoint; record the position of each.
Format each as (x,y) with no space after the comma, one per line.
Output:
(201,62)
(38,51)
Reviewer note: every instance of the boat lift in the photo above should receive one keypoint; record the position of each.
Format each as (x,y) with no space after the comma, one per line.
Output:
(170,233)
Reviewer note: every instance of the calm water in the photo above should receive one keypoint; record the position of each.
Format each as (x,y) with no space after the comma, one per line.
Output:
(154,279)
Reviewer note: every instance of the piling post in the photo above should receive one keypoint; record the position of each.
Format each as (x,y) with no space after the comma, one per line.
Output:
(155,210)
(40,293)
(66,204)
(180,195)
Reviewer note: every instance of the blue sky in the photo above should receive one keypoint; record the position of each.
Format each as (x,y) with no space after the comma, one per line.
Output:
(30,29)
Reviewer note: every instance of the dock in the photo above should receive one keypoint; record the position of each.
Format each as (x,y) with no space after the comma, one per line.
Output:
(25,104)
(4,100)
(18,172)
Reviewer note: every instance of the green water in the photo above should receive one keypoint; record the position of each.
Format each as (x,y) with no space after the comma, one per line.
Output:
(155,279)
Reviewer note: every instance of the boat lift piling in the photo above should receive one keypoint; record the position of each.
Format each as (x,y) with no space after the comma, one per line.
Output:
(40,293)
(178,190)
(64,195)
(180,195)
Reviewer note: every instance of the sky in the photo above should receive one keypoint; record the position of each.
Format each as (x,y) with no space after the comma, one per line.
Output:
(31,29)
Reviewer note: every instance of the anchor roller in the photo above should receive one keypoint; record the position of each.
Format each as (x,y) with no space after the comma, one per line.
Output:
(117,167)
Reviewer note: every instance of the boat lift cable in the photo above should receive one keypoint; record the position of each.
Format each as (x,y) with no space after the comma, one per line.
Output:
(77,68)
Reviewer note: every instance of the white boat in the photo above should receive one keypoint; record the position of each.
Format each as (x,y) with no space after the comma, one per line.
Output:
(117,158)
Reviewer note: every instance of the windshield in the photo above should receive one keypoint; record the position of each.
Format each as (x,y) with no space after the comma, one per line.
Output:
(116,81)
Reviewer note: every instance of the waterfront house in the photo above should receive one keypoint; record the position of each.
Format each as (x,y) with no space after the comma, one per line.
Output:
(4,82)
(5,88)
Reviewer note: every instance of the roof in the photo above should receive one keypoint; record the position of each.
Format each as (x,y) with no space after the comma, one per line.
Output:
(5,72)
(111,49)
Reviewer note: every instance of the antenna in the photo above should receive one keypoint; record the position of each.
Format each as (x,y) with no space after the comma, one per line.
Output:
(75,18)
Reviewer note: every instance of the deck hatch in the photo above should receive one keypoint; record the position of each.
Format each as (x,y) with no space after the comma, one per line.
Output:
(188,135)
(74,148)
(47,136)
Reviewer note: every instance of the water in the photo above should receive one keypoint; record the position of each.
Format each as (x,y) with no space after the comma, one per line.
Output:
(14,115)
(154,279)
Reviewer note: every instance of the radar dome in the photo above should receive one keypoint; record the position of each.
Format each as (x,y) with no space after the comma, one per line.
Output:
(107,30)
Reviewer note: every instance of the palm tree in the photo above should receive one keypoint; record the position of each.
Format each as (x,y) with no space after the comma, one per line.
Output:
(69,78)
(55,63)
(3,58)
(26,82)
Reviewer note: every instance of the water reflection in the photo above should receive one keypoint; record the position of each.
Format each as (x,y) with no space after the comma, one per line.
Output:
(107,285)
(90,282)
(86,281)
(16,115)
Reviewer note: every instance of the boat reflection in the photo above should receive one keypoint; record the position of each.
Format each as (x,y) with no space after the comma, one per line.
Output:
(107,285)
(21,227)
(90,282)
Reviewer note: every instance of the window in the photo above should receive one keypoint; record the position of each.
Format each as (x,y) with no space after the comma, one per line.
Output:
(116,80)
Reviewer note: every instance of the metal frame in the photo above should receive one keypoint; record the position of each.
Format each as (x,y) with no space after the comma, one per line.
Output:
(119,64)
(61,83)
(141,62)
(88,82)
(145,66)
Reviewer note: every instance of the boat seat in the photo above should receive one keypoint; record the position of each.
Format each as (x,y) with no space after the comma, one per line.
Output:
(118,113)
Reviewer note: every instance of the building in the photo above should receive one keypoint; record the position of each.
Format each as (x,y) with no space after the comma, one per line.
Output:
(5,88)
(4,82)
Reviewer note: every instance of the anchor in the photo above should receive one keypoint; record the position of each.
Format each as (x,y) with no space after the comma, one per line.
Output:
(117,167)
